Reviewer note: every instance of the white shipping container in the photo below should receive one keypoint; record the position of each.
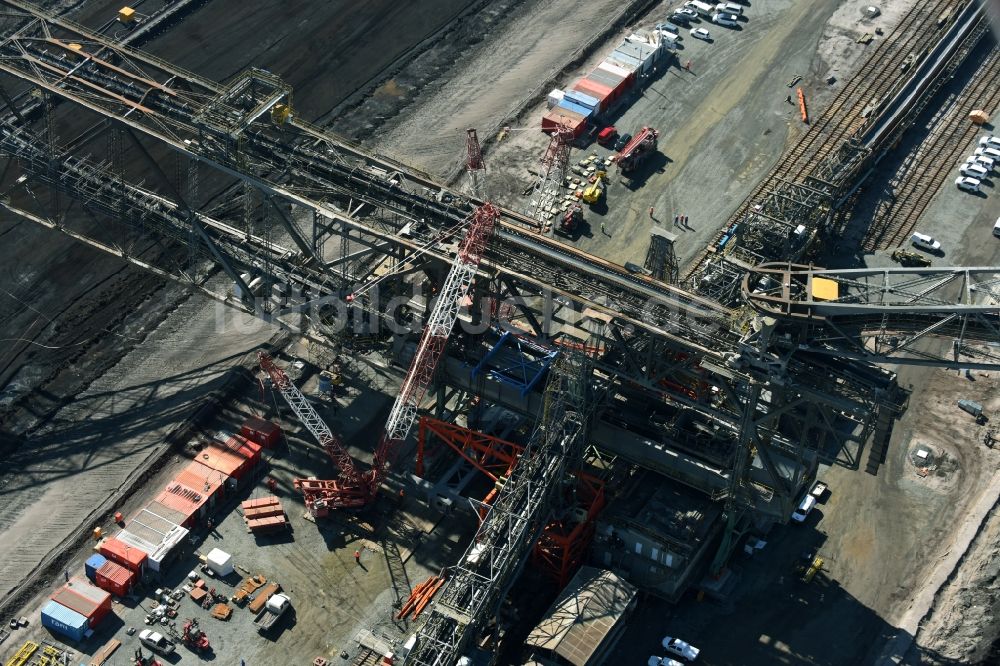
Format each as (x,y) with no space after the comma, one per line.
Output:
(555,96)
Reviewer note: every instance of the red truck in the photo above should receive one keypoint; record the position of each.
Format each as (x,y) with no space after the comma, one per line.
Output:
(637,150)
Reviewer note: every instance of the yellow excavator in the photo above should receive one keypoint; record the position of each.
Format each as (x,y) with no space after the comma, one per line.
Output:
(593,193)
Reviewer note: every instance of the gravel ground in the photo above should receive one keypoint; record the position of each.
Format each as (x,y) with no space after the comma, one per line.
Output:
(95,443)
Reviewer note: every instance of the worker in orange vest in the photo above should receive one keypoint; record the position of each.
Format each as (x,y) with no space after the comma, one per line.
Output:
(357,557)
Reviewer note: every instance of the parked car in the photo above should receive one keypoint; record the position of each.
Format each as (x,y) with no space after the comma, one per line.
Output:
(925,242)
(973,169)
(990,142)
(968,184)
(690,12)
(724,19)
(996,228)
(622,141)
(607,136)
(805,506)
(700,33)
(680,648)
(985,162)
(986,151)
(662,661)
(680,18)
(156,642)
(729,8)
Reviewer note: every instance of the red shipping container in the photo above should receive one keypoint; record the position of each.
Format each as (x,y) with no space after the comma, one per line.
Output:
(129,557)
(115,578)
(79,595)
(560,116)
(259,430)
(244,448)
(594,89)
(222,460)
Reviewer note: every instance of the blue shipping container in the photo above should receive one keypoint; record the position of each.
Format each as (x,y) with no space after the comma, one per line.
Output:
(582,99)
(575,108)
(94,562)
(64,621)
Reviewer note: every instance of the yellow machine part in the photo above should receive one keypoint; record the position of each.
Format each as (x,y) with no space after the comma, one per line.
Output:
(592,194)
(824,289)
(126,14)
(280,114)
(22,656)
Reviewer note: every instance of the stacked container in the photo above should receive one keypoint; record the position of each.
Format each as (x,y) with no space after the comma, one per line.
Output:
(64,621)
(115,579)
(128,556)
(263,432)
(93,563)
(80,596)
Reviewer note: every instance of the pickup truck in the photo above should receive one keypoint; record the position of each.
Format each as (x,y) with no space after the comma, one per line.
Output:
(275,607)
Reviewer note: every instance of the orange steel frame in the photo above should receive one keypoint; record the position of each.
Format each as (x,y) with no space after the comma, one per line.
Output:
(563,544)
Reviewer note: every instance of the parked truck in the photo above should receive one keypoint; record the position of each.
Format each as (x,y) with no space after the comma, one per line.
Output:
(637,150)
(275,607)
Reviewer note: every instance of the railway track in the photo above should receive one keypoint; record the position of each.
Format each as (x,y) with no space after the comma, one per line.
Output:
(920,176)
(848,111)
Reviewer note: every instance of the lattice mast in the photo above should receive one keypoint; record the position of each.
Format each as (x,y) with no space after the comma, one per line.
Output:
(432,342)
(475,165)
(555,161)
(350,490)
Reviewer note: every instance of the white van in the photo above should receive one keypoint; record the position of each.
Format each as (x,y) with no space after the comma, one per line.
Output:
(805,506)
(729,8)
(702,8)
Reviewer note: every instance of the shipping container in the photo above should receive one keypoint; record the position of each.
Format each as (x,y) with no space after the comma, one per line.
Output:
(554,97)
(612,67)
(65,621)
(128,556)
(569,105)
(597,90)
(88,600)
(93,563)
(222,460)
(115,579)
(156,528)
(580,99)
(560,117)
(263,432)
(246,449)
(606,78)
(626,61)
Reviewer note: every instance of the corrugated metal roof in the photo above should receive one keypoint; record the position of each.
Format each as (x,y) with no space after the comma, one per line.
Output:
(605,78)
(115,548)
(222,460)
(577,623)
(65,616)
(593,88)
(582,99)
(611,67)
(625,60)
(569,105)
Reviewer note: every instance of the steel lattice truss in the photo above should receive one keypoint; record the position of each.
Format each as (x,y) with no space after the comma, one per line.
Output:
(478,583)
(351,491)
(442,320)
(881,314)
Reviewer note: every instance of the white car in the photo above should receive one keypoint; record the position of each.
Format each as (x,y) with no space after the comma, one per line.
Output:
(973,169)
(925,242)
(729,8)
(967,184)
(805,506)
(986,151)
(156,642)
(701,33)
(724,19)
(662,661)
(983,161)
(689,12)
(990,142)
(680,648)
